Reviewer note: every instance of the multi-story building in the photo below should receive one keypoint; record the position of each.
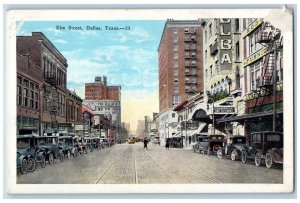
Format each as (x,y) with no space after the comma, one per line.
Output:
(88,121)
(29,81)
(140,129)
(100,91)
(263,73)
(74,110)
(110,108)
(180,62)
(223,78)
(168,124)
(52,92)
(105,100)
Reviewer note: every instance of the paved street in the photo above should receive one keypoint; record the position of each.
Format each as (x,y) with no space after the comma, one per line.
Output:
(131,164)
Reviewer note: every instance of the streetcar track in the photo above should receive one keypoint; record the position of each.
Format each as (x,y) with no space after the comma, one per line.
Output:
(174,178)
(203,174)
(135,169)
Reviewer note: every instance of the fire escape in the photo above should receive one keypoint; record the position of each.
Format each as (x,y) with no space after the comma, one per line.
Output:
(265,82)
(52,97)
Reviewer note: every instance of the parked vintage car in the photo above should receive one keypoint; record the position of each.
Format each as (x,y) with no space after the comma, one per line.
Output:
(22,163)
(265,146)
(233,147)
(88,144)
(27,145)
(51,147)
(69,145)
(215,142)
(201,142)
(96,143)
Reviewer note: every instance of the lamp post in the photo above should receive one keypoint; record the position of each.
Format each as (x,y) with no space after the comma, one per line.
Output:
(229,81)
(213,109)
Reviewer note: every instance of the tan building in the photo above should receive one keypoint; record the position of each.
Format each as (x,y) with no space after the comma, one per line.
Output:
(180,62)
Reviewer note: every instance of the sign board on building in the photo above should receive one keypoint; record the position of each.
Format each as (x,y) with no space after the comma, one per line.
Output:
(252,27)
(189,125)
(65,125)
(79,127)
(254,57)
(225,44)
(223,109)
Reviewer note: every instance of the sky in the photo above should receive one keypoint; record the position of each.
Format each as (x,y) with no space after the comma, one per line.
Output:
(128,57)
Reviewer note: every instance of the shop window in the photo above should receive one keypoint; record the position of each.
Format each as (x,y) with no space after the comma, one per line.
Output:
(19,92)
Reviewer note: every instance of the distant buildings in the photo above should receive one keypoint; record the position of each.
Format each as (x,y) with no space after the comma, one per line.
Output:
(105,100)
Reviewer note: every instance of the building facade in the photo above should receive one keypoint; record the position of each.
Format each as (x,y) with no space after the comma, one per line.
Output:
(167,125)
(52,92)
(180,62)
(112,110)
(74,110)
(99,90)
(29,81)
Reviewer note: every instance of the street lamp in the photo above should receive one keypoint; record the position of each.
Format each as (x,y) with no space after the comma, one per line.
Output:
(229,81)
(213,109)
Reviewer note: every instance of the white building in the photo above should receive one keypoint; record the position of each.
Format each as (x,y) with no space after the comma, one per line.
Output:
(168,125)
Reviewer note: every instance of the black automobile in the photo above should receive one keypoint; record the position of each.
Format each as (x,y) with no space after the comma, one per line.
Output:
(265,146)
(68,144)
(51,147)
(27,147)
(201,143)
(233,147)
(215,142)
(95,142)
(88,144)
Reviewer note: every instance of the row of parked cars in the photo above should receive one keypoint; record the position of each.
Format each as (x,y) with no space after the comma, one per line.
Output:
(264,147)
(33,149)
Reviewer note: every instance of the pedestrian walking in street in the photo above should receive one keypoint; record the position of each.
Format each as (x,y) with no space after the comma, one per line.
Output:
(168,144)
(145,144)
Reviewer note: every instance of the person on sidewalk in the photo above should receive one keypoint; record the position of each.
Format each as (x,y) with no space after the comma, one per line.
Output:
(145,144)
(168,144)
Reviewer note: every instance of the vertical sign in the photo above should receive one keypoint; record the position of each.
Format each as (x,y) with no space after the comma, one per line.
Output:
(225,44)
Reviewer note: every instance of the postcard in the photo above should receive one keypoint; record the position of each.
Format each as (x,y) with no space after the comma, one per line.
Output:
(149,101)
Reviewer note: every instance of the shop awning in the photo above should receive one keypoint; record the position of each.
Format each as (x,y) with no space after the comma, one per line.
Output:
(251,116)
(179,106)
(84,108)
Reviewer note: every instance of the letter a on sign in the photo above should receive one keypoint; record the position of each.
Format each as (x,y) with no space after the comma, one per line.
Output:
(225,58)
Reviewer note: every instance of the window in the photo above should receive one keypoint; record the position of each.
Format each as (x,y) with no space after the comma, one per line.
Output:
(237,25)
(175,38)
(19,92)
(255,70)
(175,81)
(237,52)
(25,96)
(173,115)
(175,47)
(186,29)
(211,71)
(209,31)
(238,78)
(36,95)
(176,72)
(176,100)
(176,89)
(175,55)
(205,58)
(206,74)
(31,99)
(205,36)
(217,68)
(175,30)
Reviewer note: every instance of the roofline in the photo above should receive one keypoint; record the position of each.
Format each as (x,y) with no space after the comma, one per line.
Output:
(175,21)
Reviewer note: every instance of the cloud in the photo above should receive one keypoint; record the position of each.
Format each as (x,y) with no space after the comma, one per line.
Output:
(61,41)
(137,35)
(56,32)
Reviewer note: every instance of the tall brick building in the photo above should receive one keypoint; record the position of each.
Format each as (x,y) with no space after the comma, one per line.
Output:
(100,91)
(180,62)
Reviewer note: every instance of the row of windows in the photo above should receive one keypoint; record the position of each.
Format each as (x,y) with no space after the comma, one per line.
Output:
(107,108)
(51,69)
(27,122)
(74,113)
(27,93)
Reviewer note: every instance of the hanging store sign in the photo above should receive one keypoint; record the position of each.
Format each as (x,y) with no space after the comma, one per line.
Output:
(189,125)
(225,44)
(223,110)
(65,125)
(79,127)
(254,57)
(252,27)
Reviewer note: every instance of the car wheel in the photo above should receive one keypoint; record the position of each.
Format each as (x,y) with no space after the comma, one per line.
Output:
(257,159)
(269,160)
(216,147)
(68,154)
(233,155)
(75,153)
(220,153)
(244,157)
(51,159)
(31,164)
(61,157)
(43,162)
(23,167)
